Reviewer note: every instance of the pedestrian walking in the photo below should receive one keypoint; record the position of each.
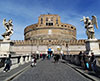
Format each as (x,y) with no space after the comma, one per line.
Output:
(58,57)
(80,57)
(55,58)
(86,61)
(93,62)
(43,56)
(63,56)
(34,61)
(49,56)
(8,64)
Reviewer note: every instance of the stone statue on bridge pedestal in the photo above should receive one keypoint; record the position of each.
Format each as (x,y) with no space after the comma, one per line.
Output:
(9,29)
(89,25)
(92,44)
(6,43)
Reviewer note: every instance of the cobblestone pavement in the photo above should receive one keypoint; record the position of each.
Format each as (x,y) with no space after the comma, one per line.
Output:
(4,76)
(47,70)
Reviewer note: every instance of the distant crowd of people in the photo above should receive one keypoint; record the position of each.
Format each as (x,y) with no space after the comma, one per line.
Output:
(48,56)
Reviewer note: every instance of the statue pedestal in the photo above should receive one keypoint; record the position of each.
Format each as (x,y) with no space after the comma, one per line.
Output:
(92,45)
(5,48)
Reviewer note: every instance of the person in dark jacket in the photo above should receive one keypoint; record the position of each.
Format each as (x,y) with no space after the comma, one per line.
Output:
(92,57)
(80,57)
(7,65)
(58,57)
(93,62)
(86,61)
(55,58)
(34,61)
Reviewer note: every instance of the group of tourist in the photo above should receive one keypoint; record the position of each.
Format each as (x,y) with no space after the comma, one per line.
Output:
(56,57)
(48,56)
(88,62)
(43,56)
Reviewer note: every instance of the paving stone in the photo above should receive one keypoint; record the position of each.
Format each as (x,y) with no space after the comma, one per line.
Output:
(47,70)
(6,75)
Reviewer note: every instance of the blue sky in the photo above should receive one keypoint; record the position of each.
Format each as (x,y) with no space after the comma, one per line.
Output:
(26,12)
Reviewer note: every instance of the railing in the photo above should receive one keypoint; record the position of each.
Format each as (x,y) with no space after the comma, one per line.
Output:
(75,59)
(16,60)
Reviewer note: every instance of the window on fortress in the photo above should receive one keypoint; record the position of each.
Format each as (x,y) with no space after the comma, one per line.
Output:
(41,40)
(46,19)
(72,27)
(57,21)
(51,18)
(41,20)
(49,24)
(62,25)
(49,40)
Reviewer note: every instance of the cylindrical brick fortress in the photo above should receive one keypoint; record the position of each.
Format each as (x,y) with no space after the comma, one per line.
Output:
(49,27)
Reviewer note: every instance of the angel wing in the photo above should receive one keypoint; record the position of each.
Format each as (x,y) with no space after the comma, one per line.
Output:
(6,24)
(4,21)
(94,21)
(83,19)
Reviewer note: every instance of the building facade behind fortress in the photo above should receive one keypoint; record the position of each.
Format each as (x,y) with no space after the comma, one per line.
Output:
(49,32)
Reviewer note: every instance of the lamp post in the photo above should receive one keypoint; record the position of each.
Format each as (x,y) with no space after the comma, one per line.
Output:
(67,45)
(31,46)
(38,40)
(38,43)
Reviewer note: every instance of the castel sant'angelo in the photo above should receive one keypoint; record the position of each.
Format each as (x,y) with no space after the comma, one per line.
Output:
(49,31)
(49,27)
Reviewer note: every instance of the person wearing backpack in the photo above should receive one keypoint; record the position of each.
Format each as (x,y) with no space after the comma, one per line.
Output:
(86,61)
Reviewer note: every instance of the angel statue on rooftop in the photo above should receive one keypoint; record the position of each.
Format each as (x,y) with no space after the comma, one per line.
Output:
(89,25)
(9,29)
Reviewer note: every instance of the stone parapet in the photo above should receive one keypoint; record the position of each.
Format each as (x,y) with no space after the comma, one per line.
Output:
(38,42)
(77,42)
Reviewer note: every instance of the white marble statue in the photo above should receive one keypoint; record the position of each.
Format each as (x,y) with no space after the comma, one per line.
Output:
(89,25)
(9,29)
